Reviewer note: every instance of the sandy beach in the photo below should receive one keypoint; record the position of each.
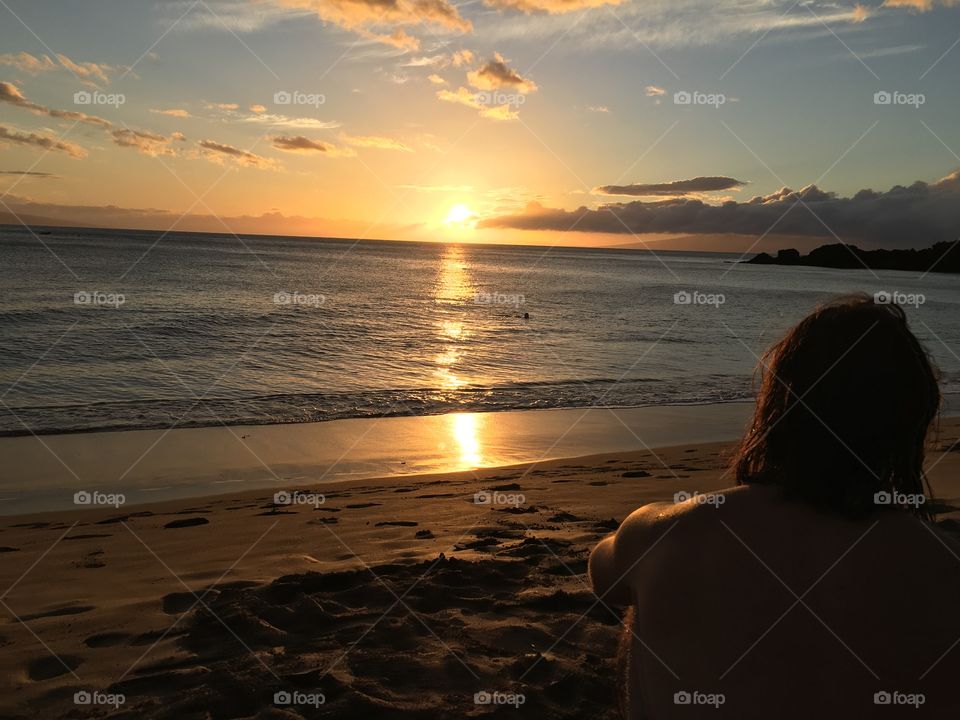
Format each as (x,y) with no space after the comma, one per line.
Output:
(394,597)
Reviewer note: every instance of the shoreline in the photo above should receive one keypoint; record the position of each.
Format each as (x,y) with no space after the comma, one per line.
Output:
(146,466)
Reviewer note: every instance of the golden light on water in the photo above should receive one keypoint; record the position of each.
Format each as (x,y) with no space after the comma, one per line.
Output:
(466,429)
(452,288)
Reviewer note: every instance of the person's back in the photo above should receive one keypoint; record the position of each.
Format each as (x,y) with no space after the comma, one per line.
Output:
(800,594)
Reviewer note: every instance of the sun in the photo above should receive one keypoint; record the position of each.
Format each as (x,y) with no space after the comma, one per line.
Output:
(459,214)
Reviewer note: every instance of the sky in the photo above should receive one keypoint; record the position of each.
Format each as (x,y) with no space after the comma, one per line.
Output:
(704,124)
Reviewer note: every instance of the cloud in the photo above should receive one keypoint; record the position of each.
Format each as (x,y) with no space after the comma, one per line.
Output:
(598,108)
(677,187)
(914,215)
(147,143)
(861,13)
(29,173)
(289,122)
(496,75)
(436,79)
(384,20)
(268,223)
(374,141)
(918,5)
(654,91)
(16,137)
(298,143)
(257,108)
(464,96)
(399,38)
(172,112)
(215,151)
(89,73)
(553,7)
(221,106)
(9,93)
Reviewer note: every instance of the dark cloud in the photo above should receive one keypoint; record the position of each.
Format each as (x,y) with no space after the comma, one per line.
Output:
(10,135)
(212,149)
(298,143)
(495,74)
(677,187)
(9,93)
(28,173)
(904,216)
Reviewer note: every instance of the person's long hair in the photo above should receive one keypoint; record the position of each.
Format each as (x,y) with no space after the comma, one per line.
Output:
(844,406)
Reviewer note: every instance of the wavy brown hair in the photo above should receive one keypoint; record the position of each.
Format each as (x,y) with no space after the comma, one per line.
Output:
(844,406)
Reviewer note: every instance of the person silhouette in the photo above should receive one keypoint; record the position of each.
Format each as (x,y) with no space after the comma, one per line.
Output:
(819,585)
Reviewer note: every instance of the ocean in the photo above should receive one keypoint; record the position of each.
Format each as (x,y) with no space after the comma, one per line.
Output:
(118,330)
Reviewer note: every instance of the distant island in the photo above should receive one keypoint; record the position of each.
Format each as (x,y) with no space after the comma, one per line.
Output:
(943,257)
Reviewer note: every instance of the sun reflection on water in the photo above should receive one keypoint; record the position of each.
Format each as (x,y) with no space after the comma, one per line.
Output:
(453,287)
(466,429)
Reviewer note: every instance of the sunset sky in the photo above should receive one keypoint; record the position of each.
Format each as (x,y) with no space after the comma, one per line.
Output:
(486,120)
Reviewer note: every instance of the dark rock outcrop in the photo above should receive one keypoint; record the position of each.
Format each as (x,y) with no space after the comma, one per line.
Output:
(943,257)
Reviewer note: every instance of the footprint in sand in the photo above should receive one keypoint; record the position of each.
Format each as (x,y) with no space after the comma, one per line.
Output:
(187,522)
(107,639)
(59,612)
(48,666)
